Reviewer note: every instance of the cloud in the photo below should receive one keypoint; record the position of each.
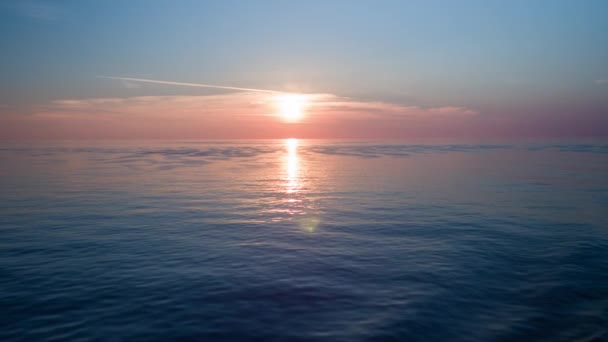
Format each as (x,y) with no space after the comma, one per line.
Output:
(324,102)
(233,115)
(601,81)
(243,104)
(253,115)
(131,85)
(199,85)
(341,107)
(157,107)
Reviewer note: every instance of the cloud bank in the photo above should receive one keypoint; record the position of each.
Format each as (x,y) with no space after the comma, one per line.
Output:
(244,115)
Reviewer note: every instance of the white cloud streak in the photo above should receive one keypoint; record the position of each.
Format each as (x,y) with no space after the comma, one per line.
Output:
(199,85)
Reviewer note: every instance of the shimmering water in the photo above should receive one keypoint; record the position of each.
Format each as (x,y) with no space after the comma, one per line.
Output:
(303,240)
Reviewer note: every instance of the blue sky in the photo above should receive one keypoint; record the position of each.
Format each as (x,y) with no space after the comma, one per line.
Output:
(501,58)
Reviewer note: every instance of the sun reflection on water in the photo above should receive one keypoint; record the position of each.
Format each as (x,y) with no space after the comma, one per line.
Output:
(303,210)
(292,165)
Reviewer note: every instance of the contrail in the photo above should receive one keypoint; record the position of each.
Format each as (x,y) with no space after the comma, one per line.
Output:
(200,85)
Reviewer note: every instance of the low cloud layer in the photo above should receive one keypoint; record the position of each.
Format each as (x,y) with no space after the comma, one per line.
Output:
(236,115)
(256,115)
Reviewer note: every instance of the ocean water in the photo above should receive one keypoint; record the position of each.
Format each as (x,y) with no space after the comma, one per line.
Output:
(303,240)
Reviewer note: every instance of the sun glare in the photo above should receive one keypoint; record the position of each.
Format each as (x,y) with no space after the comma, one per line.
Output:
(291,106)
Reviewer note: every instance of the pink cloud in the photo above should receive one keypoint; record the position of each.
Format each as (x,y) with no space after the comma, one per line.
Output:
(235,115)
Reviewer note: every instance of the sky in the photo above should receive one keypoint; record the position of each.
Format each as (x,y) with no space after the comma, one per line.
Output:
(362,69)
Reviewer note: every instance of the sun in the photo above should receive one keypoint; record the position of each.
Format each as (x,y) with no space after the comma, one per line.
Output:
(291,106)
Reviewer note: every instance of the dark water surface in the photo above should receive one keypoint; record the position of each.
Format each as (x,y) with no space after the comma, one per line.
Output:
(303,240)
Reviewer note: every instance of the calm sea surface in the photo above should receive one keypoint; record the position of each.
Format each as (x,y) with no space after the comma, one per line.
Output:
(303,240)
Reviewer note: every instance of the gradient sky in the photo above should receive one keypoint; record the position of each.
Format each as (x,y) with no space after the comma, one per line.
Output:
(373,69)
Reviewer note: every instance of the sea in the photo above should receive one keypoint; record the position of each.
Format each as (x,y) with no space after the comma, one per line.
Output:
(303,240)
